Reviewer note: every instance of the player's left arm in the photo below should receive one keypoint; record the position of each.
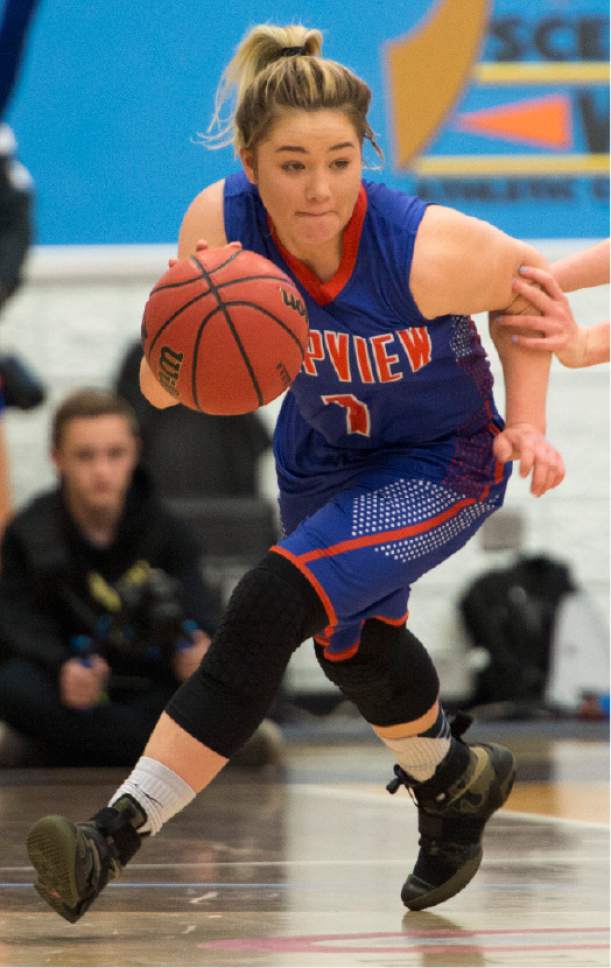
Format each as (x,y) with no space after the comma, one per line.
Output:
(202,227)
(465,266)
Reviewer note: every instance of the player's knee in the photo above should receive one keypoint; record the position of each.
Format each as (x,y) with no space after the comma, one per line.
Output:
(272,610)
(390,677)
(370,665)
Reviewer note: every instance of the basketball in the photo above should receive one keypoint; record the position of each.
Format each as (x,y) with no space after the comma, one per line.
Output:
(225,331)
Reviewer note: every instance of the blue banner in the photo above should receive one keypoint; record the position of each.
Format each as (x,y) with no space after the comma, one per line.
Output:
(499,108)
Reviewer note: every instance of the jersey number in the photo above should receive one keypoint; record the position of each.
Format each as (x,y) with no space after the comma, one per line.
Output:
(358,418)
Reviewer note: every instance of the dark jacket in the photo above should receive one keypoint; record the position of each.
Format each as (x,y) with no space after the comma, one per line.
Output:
(56,585)
(191,454)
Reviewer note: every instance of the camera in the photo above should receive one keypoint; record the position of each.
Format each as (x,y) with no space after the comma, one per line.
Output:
(150,619)
(153,607)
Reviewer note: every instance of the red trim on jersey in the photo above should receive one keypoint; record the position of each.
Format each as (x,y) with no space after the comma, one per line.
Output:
(391,621)
(324,638)
(325,292)
(326,601)
(344,654)
(499,467)
(322,641)
(352,544)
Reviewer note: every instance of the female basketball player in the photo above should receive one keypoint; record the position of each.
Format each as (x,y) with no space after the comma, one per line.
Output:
(390,454)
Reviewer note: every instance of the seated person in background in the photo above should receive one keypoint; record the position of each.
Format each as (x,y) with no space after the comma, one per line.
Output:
(103,611)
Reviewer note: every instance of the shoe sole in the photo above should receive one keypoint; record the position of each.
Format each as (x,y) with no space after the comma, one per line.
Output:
(468,871)
(52,848)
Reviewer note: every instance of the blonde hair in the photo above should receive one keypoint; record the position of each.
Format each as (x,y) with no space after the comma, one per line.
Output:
(267,76)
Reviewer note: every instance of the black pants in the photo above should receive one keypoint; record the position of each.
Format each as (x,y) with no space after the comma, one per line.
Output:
(113,733)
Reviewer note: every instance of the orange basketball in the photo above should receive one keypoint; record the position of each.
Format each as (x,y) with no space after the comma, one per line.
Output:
(225,331)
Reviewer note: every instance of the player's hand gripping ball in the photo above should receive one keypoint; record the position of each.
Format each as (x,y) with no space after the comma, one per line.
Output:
(225,330)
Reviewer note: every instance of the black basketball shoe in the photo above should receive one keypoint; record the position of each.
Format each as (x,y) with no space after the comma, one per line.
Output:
(453,809)
(75,861)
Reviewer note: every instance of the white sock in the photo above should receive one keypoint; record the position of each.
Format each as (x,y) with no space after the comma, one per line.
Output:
(419,755)
(160,792)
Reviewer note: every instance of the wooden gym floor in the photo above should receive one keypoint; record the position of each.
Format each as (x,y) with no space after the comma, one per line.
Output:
(303,866)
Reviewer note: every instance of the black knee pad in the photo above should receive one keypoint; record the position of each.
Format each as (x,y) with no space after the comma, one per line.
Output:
(391,679)
(271,611)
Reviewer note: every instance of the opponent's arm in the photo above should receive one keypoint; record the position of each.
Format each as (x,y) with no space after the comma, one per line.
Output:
(584,269)
(465,266)
(202,227)
(556,329)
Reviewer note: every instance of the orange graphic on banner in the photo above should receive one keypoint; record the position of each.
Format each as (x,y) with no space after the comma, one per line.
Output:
(545,121)
(428,69)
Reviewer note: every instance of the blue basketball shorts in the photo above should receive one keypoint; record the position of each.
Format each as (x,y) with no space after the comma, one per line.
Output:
(363,546)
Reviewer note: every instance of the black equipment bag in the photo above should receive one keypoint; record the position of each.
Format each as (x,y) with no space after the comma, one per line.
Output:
(510,614)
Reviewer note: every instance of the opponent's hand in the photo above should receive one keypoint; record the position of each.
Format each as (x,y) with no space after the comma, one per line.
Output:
(524,443)
(200,246)
(81,685)
(186,660)
(555,330)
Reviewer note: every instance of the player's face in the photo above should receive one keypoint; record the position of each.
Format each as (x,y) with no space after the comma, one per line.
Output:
(308,172)
(96,460)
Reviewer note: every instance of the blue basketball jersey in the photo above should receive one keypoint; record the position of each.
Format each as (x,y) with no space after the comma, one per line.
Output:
(377,376)
(383,445)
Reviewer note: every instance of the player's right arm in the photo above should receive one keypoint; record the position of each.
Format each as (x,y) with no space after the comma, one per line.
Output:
(203,225)
(203,220)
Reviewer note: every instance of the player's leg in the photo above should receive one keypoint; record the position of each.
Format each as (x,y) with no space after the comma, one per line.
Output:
(386,535)
(272,610)
(392,681)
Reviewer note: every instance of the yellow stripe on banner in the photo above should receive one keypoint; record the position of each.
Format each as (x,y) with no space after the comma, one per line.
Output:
(542,165)
(575,72)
